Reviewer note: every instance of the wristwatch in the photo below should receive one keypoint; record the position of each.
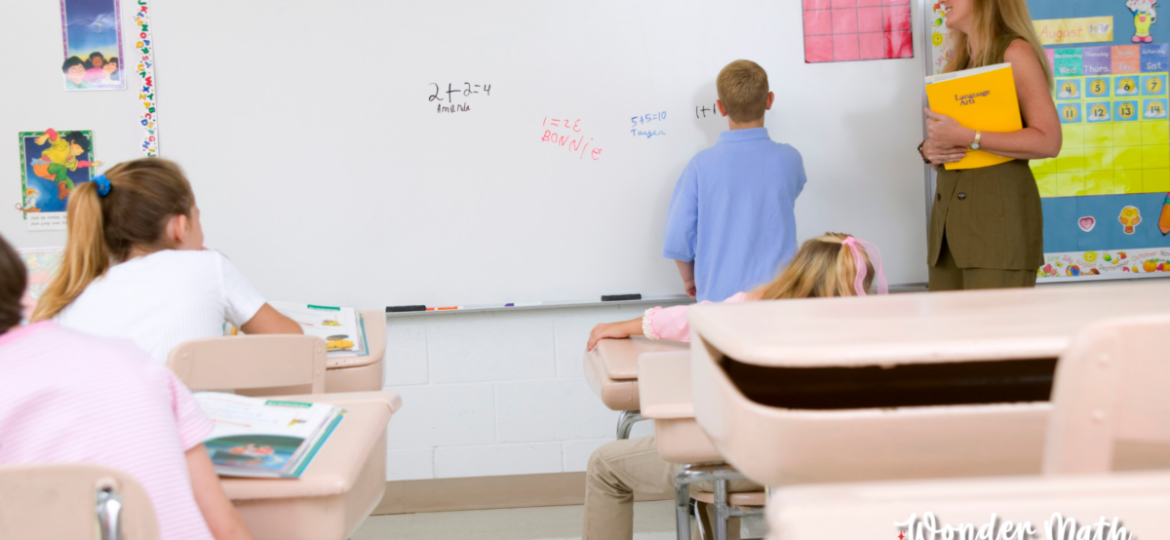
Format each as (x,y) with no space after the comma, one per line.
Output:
(978,135)
(924,160)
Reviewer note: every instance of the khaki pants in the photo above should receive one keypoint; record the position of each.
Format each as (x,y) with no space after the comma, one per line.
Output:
(622,467)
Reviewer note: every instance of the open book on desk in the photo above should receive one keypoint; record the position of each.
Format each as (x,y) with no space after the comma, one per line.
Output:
(265,438)
(342,328)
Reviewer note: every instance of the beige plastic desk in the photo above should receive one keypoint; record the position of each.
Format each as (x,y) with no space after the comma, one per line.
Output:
(360,373)
(666,399)
(338,490)
(780,446)
(1141,501)
(1109,390)
(611,368)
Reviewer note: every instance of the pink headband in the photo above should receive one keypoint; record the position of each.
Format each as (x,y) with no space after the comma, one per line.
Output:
(875,257)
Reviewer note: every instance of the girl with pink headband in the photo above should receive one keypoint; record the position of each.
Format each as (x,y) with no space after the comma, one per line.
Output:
(835,264)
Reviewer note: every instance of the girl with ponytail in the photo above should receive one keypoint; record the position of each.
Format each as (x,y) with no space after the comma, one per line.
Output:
(831,265)
(135,266)
(835,264)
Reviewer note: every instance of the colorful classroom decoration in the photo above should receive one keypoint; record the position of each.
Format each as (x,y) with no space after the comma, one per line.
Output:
(93,45)
(145,69)
(941,47)
(1103,196)
(843,30)
(52,164)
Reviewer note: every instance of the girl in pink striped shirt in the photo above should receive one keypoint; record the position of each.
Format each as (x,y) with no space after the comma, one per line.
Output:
(67,397)
(835,264)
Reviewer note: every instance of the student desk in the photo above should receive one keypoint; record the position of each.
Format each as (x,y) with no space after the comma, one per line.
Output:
(340,487)
(360,373)
(892,387)
(611,370)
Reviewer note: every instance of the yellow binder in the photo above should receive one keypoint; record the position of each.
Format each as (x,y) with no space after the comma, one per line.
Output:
(981,98)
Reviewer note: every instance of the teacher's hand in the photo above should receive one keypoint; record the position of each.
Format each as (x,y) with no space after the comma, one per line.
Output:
(939,154)
(945,131)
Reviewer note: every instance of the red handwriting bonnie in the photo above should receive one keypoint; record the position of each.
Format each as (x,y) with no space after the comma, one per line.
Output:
(566,136)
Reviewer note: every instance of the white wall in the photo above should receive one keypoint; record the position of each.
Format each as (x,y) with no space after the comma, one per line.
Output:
(495,393)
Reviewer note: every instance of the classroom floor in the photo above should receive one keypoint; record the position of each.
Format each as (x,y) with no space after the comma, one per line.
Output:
(652,521)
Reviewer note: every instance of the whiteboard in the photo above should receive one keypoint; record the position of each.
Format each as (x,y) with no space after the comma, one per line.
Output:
(324,168)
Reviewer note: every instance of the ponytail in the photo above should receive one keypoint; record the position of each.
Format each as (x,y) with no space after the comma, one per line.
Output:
(86,256)
(144,194)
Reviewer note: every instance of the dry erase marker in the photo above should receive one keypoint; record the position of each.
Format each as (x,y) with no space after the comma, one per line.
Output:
(620,297)
(523,304)
(445,308)
(403,309)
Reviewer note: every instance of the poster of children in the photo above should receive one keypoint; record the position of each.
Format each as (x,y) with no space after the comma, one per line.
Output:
(93,45)
(53,163)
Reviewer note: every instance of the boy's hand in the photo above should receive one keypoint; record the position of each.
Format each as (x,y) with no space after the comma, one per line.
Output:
(618,330)
(686,270)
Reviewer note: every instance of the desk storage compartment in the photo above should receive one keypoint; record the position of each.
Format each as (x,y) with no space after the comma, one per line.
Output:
(911,385)
(776,445)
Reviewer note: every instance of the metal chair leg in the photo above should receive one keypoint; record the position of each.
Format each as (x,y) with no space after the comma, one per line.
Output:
(700,518)
(626,422)
(682,505)
(722,512)
(717,473)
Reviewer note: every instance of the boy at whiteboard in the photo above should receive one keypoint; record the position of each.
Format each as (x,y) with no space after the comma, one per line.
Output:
(731,226)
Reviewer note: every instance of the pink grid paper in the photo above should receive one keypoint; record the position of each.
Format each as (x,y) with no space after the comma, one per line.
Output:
(844,30)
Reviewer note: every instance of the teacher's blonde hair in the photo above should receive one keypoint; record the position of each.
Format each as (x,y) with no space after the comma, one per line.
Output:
(823,267)
(996,24)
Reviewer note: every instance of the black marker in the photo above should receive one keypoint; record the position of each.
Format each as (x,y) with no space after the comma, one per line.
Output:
(620,297)
(403,309)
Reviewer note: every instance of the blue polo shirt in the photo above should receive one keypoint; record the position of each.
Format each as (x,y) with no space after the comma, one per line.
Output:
(732,212)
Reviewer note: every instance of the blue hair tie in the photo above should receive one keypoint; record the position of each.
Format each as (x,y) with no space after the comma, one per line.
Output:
(103,185)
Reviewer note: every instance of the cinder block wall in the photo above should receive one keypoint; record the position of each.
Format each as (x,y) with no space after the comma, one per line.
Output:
(496,393)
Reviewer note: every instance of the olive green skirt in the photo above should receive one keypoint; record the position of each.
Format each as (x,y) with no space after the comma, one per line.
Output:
(991,218)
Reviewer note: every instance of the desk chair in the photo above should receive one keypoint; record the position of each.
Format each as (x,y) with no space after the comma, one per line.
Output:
(665,385)
(611,370)
(73,501)
(261,365)
(1110,392)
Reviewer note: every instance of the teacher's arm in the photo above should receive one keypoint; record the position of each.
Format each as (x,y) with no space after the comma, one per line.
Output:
(1041,136)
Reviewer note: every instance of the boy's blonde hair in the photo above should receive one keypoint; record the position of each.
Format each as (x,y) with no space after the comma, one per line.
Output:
(143,196)
(996,24)
(823,267)
(743,90)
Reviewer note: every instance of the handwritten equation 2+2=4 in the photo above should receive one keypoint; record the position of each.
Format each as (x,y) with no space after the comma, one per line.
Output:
(466,90)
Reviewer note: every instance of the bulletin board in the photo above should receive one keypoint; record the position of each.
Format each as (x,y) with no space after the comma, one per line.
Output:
(1106,196)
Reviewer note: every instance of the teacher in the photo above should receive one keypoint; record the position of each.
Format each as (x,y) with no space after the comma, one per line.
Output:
(986,225)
